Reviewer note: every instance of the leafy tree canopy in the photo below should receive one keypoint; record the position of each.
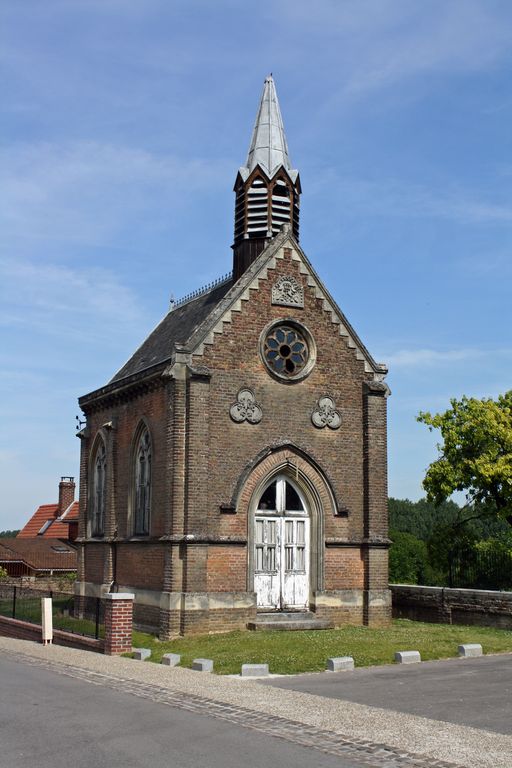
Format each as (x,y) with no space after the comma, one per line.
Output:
(475,455)
(9,534)
(420,517)
(408,559)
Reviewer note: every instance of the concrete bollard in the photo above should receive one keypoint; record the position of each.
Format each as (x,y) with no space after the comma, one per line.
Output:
(171,659)
(470,649)
(407,657)
(203,665)
(46,620)
(254,670)
(340,663)
(141,654)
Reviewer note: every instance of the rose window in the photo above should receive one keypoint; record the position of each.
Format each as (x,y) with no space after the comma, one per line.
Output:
(286,351)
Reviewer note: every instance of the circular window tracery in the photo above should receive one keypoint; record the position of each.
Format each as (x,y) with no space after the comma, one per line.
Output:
(286,351)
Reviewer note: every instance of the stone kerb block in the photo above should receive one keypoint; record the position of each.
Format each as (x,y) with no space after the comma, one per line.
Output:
(254,670)
(407,657)
(171,659)
(340,663)
(141,654)
(203,665)
(470,649)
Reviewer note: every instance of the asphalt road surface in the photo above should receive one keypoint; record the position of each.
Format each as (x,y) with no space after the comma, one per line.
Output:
(475,692)
(51,721)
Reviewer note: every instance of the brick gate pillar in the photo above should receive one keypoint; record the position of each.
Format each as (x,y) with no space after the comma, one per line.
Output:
(118,622)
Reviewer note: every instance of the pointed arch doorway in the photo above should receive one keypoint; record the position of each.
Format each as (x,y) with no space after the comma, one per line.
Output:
(281,547)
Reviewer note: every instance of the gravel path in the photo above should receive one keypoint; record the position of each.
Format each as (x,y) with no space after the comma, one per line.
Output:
(412,740)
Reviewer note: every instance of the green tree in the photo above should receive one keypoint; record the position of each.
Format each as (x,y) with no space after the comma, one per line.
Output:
(408,559)
(475,455)
(9,534)
(420,517)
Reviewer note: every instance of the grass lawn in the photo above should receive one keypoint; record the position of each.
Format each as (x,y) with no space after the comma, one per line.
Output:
(292,652)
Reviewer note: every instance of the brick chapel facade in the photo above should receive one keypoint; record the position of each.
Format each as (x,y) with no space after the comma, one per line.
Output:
(236,465)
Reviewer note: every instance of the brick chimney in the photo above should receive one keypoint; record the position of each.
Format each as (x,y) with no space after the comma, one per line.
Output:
(66,494)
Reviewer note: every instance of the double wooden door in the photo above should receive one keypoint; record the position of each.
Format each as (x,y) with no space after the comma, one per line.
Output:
(281,548)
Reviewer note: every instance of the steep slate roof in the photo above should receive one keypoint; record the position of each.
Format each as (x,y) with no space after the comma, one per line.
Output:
(175,328)
(39,553)
(44,518)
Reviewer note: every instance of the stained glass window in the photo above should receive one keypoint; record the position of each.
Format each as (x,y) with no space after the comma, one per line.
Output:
(285,351)
(98,490)
(142,485)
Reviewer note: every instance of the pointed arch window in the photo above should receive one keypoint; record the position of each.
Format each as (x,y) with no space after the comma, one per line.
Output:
(142,485)
(98,495)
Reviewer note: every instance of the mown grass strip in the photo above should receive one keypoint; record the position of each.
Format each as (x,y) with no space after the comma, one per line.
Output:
(307,651)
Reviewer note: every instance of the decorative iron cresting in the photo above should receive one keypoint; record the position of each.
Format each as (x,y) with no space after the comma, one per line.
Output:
(288,292)
(246,408)
(325,414)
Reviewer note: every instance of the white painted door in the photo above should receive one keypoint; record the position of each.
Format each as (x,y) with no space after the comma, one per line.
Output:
(281,548)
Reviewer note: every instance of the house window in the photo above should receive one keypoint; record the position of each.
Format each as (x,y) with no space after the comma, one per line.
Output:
(99,491)
(142,485)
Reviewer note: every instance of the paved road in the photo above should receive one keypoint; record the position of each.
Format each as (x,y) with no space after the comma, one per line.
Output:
(474,692)
(145,714)
(51,721)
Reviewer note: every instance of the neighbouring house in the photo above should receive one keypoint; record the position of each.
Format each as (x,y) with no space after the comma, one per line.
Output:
(234,469)
(37,557)
(55,521)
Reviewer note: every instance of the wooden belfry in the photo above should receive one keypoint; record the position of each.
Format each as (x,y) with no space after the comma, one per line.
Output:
(267,187)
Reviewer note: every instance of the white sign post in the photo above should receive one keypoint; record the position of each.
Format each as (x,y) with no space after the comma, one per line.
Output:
(46,620)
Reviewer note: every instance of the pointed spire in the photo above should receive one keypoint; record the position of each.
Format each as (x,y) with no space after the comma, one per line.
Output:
(267,188)
(268,147)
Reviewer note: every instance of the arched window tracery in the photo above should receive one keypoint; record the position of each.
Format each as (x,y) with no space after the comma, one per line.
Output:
(98,491)
(142,505)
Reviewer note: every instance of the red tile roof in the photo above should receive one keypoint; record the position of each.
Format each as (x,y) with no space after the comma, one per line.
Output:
(56,527)
(41,554)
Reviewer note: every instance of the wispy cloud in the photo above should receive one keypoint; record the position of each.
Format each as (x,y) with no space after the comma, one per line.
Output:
(61,301)
(400,198)
(402,40)
(425,357)
(87,192)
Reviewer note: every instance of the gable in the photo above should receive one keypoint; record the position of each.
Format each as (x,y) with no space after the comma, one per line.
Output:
(233,302)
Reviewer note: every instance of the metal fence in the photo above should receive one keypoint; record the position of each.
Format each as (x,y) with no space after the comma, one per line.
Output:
(78,615)
(481,569)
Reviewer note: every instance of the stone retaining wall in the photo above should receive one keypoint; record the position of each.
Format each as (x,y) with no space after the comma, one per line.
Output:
(484,608)
(23,630)
(41,584)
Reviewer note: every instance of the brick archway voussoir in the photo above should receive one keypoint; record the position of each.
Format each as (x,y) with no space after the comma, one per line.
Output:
(283,459)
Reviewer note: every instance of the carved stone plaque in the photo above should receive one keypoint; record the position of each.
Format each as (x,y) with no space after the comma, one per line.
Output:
(246,408)
(288,292)
(325,414)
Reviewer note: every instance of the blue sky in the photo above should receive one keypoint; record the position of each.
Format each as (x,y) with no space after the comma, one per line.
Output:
(124,123)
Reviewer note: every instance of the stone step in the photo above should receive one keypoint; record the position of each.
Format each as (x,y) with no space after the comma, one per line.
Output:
(288,622)
(284,615)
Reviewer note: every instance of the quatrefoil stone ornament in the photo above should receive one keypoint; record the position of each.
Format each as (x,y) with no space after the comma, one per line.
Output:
(246,408)
(325,414)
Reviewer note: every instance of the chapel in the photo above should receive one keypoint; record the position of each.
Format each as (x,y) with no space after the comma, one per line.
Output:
(234,471)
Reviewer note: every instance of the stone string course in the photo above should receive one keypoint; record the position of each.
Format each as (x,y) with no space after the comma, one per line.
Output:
(483,608)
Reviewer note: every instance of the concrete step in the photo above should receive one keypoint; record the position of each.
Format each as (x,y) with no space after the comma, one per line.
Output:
(284,615)
(288,621)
